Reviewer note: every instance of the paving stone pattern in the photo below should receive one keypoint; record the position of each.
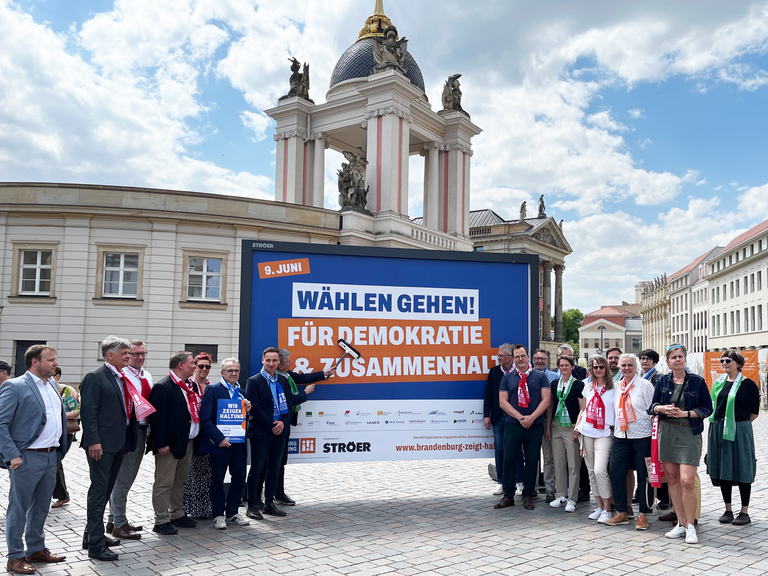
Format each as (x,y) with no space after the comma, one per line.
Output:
(409,518)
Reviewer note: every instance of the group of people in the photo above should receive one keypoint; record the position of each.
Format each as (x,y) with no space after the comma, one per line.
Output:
(124,413)
(621,418)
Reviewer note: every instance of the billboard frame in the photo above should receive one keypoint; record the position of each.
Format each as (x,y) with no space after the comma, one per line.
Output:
(251,246)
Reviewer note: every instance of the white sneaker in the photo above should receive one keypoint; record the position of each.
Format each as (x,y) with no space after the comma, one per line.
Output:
(570,506)
(519,487)
(677,532)
(690,535)
(220,523)
(558,502)
(499,490)
(238,520)
(596,514)
(605,516)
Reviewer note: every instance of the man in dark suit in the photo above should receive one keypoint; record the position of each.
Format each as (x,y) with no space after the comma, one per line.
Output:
(224,455)
(173,427)
(493,416)
(270,420)
(293,378)
(110,430)
(33,432)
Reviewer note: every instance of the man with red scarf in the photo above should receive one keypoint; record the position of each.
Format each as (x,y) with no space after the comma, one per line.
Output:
(524,395)
(117,523)
(173,427)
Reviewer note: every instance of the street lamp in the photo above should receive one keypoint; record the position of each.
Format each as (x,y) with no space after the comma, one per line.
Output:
(602,329)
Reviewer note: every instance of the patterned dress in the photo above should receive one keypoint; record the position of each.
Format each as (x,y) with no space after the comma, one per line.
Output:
(197,490)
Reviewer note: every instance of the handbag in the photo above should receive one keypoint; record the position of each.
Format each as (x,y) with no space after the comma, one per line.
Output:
(73,426)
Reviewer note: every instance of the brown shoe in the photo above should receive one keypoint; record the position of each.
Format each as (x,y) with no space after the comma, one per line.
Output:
(618,519)
(642,522)
(527,503)
(504,503)
(669,517)
(20,566)
(110,527)
(45,555)
(60,503)
(125,532)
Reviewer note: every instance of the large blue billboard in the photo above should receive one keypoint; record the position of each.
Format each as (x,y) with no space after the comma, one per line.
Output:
(426,324)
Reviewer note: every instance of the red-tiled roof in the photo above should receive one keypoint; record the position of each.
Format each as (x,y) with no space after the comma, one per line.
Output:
(615,314)
(692,265)
(748,235)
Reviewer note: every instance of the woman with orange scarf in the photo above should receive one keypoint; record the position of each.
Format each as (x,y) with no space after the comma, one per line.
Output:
(632,439)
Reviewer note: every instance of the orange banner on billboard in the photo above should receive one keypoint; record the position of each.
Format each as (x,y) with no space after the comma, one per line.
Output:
(713,368)
(283,268)
(391,350)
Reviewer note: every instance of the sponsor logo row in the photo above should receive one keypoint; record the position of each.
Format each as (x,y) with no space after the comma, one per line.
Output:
(309,446)
(348,413)
(332,423)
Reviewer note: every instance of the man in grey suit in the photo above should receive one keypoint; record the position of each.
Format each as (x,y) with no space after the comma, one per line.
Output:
(33,437)
(110,430)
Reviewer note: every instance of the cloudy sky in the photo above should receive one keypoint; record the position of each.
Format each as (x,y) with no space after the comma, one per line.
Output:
(644,123)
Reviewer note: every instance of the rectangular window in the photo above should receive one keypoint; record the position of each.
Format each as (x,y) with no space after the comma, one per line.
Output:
(738,322)
(586,343)
(759,245)
(759,316)
(716,321)
(759,280)
(212,349)
(36,273)
(121,275)
(716,297)
(731,288)
(746,286)
(733,323)
(730,260)
(204,279)
(751,249)
(636,343)
(751,282)
(752,318)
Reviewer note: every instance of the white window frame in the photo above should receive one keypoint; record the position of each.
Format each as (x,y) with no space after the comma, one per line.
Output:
(19,247)
(209,303)
(122,269)
(38,267)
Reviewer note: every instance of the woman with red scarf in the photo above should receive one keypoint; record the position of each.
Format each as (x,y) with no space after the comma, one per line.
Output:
(631,440)
(595,426)
(197,490)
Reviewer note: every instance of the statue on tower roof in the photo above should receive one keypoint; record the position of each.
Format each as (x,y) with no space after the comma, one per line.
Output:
(542,213)
(299,81)
(523,211)
(389,52)
(452,94)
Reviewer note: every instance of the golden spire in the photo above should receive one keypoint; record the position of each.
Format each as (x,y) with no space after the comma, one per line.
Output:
(376,23)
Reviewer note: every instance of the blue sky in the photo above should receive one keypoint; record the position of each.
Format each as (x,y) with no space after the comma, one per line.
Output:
(643,124)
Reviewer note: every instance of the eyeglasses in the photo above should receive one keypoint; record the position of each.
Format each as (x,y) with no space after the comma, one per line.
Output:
(204,366)
(598,367)
(644,358)
(725,360)
(136,354)
(232,371)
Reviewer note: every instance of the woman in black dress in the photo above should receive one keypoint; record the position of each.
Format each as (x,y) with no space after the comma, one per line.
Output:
(197,490)
(731,445)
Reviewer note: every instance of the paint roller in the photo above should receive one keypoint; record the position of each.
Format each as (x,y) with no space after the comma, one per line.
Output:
(348,349)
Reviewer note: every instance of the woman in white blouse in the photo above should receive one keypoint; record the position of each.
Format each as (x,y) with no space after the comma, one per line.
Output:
(632,439)
(595,424)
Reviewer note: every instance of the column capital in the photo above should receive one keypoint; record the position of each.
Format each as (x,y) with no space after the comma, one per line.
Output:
(318,136)
(559,268)
(390,109)
(457,146)
(547,265)
(292,133)
(432,146)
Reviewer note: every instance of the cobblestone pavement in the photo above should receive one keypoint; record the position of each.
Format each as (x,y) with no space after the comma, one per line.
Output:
(425,518)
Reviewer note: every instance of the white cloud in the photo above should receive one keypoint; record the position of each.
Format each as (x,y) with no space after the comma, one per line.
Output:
(754,202)
(644,143)
(636,112)
(603,120)
(256,122)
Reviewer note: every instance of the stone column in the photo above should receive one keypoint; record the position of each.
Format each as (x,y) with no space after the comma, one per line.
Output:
(322,143)
(290,160)
(547,324)
(454,206)
(559,302)
(387,154)
(431,183)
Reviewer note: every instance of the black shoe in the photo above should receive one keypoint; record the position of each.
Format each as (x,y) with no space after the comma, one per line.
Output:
(254,513)
(285,500)
(259,505)
(664,506)
(272,510)
(583,496)
(166,529)
(102,553)
(726,518)
(184,522)
(107,541)
(742,519)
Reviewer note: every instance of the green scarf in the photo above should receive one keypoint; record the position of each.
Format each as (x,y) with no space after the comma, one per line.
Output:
(729,424)
(294,389)
(561,415)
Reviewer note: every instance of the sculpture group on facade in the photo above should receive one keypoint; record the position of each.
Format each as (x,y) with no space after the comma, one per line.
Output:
(299,81)
(389,52)
(353,193)
(452,95)
(523,211)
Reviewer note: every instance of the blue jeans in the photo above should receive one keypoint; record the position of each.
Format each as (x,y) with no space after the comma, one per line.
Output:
(498,449)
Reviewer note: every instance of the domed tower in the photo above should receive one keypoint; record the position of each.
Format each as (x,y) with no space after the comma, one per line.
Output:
(378,115)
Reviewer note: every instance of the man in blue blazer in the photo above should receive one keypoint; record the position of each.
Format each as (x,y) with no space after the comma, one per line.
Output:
(224,455)
(33,438)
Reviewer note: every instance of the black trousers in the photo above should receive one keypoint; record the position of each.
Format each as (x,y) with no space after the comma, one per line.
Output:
(103,476)
(60,491)
(280,490)
(234,459)
(529,440)
(266,454)
(628,454)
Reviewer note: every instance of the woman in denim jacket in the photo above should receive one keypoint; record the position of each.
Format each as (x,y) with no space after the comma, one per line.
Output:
(681,400)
